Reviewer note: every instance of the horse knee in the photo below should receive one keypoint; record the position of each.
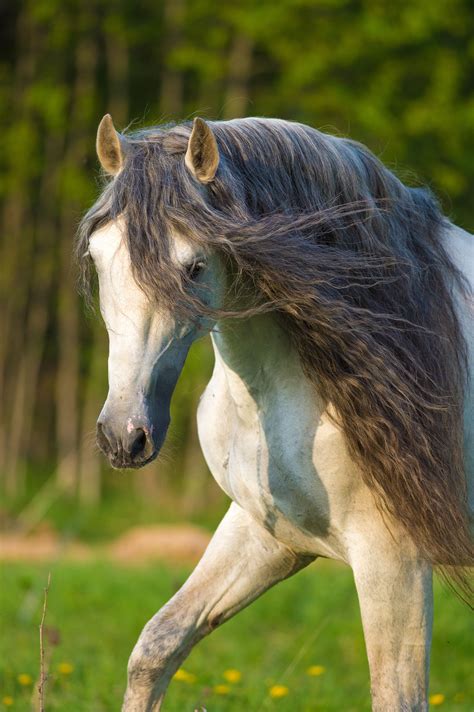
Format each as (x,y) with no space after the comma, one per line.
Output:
(160,641)
(145,681)
(143,668)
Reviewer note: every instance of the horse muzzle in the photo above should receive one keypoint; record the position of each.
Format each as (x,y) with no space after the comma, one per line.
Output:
(131,446)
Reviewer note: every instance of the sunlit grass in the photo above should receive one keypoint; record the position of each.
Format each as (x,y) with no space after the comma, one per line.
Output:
(298,649)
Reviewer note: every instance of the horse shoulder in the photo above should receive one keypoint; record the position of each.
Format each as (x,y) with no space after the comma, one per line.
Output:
(289,469)
(214,420)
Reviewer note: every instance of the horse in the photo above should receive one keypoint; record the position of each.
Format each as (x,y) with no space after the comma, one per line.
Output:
(339,415)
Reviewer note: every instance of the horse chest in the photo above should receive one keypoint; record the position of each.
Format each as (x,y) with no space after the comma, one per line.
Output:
(264,461)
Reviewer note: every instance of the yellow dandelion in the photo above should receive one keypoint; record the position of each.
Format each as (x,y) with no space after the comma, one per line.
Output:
(7,701)
(25,679)
(65,668)
(232,675)
(221,689)
(183,676)
(437,699)
(316,670)
(459,697)
(277,691)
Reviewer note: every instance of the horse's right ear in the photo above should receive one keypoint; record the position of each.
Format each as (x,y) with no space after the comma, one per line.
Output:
(109,147)
(202,156)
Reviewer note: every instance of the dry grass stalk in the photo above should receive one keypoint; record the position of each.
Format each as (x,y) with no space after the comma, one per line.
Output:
(43,671)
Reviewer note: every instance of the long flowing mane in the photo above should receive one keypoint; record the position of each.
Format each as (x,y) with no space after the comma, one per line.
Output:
(353,263)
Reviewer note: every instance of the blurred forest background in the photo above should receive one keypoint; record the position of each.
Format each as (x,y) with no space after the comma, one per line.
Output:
(397,76)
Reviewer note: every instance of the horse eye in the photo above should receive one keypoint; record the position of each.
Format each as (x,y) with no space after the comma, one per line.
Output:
(194,269)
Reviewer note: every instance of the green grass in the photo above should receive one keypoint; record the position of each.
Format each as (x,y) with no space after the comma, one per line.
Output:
(312,619)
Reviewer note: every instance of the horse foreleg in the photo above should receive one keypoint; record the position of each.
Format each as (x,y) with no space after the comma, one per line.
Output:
(395,595)
(240,563)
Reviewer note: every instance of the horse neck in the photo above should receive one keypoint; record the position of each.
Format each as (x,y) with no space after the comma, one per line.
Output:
(261,365)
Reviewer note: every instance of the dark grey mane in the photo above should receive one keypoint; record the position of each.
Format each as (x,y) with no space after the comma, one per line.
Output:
(352,261)
(273,176)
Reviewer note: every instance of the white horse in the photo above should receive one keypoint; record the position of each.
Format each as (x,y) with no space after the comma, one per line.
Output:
(273,441)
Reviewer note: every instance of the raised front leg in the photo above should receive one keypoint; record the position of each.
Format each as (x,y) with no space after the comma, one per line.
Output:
(395,595)
(242,561)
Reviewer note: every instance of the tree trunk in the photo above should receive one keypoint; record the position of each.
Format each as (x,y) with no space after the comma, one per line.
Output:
(171,96)
(240,65)
(16,252)
(117,59)
(67,395)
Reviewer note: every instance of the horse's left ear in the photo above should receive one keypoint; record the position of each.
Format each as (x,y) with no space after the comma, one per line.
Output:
(202,156)
(110,146)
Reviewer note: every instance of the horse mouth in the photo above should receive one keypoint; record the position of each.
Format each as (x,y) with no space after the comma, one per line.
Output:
(123,461)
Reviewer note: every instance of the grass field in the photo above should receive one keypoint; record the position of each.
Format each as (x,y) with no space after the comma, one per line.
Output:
(311,620)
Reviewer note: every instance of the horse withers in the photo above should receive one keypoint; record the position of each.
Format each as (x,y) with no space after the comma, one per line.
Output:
(339,416)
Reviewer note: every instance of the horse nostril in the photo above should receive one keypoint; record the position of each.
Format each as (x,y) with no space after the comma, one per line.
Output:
(137,442)
(102,440)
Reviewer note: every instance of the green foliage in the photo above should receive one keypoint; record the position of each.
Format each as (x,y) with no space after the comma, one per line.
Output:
(397,76)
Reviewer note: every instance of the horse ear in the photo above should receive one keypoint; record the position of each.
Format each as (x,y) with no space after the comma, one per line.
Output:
(202,156)
(109,146)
